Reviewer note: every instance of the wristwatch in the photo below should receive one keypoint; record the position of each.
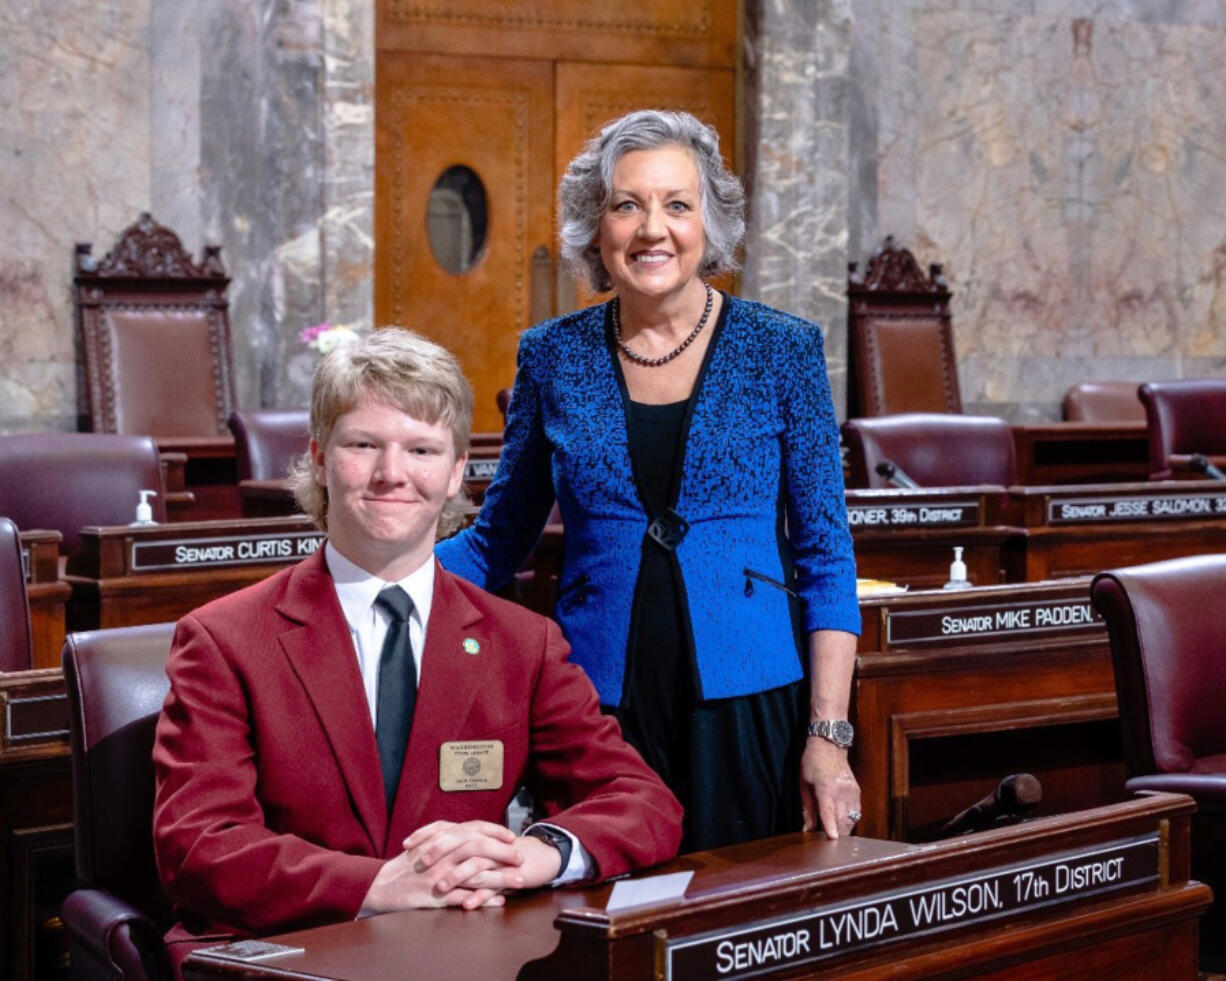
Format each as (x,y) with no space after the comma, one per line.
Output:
(837,731)
(553,836)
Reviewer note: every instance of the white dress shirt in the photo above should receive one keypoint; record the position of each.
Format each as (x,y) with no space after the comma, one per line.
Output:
(368,625)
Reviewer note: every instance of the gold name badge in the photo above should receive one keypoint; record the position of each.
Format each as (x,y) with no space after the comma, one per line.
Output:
(473,765)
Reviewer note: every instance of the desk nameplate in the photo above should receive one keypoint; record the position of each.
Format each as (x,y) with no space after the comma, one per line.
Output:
(480,469)
(219,551)
(27,570)
(989,621)
(30,718)
(924,911)
(1110,509)
(944,514)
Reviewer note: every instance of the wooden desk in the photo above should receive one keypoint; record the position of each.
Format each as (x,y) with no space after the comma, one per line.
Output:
(956,689)
(46,593)
(908,536)
(36,859)
(1081,452)
(122,576)
(1074,531)
(1020,898)
(210,475)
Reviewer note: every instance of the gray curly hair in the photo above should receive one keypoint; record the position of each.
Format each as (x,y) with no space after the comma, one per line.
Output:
(402,369)
(588,185)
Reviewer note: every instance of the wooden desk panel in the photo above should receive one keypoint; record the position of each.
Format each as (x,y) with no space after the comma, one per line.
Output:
(1074,531)
(1081,452)
(123,575)
(956,689)
(47,595)
(856,908)
(36,858)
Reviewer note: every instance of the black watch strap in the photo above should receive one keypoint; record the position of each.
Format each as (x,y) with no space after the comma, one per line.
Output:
(556,837)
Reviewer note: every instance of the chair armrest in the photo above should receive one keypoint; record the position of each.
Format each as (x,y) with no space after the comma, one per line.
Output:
(112,933)
(1209,789)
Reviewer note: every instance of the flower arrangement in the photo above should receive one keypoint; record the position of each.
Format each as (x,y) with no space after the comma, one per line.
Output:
(324,337)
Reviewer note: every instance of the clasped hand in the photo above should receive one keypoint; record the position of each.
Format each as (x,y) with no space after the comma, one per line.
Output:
(468,865)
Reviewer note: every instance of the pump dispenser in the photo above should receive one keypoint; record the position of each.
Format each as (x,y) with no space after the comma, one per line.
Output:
(957,572)
(144,510)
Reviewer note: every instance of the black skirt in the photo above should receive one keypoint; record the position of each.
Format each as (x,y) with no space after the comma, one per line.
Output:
(734,763)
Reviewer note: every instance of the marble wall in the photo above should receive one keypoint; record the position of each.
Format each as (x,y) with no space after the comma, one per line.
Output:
(1063,160)
(243,122)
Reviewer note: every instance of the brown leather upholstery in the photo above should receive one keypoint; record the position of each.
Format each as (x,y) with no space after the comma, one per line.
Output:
(65,481)
(934,450)
(116,682)
(155,336)
(900,344)
(267,442)
(1103,401)
(16,641)
(1183,418)
(1167,626)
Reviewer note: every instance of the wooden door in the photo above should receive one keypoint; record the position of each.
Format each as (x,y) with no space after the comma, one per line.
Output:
(496,118)
(512,91)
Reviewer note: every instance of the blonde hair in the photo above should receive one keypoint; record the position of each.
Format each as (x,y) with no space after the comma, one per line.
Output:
(400,368)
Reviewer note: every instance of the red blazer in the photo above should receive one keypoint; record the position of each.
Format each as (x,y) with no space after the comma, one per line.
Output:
(270,811)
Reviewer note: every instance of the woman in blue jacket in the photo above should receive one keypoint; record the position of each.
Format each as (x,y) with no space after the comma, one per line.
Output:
(708,582)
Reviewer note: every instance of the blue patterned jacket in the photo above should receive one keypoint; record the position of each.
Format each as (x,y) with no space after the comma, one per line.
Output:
(762,445)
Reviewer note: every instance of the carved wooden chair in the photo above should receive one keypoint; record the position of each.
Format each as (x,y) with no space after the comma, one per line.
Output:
(155,335)
(900,346)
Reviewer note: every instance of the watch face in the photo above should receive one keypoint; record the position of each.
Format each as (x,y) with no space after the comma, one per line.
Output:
(841,733)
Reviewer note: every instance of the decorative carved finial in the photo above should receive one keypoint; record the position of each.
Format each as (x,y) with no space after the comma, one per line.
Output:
(146,249)
(894,269)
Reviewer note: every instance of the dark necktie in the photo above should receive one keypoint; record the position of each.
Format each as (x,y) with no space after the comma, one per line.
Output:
(397,688)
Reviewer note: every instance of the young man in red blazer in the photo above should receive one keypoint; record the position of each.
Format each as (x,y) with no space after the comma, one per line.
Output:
(327,752)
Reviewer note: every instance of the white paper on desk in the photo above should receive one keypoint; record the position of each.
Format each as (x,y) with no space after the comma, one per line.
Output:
(652,889)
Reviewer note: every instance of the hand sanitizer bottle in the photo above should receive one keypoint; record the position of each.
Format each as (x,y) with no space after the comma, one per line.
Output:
(144,510)
(957,572)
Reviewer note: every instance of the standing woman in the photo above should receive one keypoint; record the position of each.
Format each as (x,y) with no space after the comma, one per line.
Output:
(708,582)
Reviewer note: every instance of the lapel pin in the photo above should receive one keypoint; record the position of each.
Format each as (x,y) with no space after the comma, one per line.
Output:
(471,646)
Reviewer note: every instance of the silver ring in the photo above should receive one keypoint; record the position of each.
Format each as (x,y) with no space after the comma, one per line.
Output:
(853,816)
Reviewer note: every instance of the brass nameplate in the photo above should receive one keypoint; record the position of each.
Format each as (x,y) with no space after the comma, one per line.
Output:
(1157,507)
(480,469)
(475,765)
(229,550)
(952,514)
(990,621)
(994,895)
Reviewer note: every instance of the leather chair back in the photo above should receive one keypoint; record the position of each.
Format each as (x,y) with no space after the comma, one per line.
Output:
(1103,401)
(900,348)
(64,481)
(267,442)
(155,332)
(503,398)
(933,450)
(1183,418)
(116,682)
(16,640)
(1168,643)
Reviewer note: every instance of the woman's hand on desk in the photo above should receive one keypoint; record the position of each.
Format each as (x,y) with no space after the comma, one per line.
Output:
(828,788)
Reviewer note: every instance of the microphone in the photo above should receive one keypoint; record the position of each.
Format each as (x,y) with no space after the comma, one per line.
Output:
(895,475)
(1202,464)
(1013,796)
